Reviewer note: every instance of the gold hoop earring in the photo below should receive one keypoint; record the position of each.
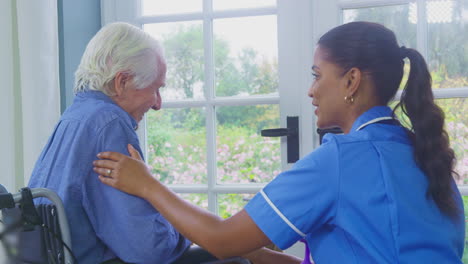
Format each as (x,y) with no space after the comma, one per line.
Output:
(349,99)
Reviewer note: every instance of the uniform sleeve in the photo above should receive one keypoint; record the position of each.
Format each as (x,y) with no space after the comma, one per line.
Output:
(300,200)
(128,225)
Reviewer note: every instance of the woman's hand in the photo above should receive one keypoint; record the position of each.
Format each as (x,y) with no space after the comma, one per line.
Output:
(128,174)
(234,236)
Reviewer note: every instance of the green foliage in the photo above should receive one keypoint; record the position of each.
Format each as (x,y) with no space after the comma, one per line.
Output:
(448,47)
(232,203)
(179,157)
(184,55)
(393,17)
(243,156)
(176,136)
(255,117)
(253,75)
(465,252)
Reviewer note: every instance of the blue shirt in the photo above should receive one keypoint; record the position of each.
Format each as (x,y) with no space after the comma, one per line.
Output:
(105,223)
(360,198)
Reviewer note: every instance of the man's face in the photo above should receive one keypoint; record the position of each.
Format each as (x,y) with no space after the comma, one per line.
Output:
(140,101)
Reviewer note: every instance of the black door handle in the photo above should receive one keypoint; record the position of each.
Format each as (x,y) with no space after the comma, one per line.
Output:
(322,132)
(278,132)
(292,134)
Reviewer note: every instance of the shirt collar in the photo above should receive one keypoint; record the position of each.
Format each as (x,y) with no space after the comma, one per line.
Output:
(376,113)
(97,95)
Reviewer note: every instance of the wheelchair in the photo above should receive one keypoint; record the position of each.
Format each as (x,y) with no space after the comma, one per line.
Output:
(40,233)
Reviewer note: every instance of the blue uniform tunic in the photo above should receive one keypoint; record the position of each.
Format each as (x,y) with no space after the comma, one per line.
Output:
(360,198)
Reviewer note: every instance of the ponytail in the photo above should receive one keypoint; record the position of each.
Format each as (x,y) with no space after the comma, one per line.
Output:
(432,151)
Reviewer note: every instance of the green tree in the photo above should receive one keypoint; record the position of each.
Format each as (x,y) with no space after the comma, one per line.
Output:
(184,55)
(245,74)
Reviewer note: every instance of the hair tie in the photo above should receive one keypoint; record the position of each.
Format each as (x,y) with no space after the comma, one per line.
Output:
(403,52)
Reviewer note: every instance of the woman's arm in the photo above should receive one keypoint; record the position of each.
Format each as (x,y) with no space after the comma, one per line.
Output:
(235,236)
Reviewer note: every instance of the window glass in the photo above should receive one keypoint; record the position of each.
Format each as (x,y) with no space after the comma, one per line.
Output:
(465,251)
(456,122)
(164,7)
(397,18)
(230,204)
(183,48)
(246,61)
(177,145)
(243,156)
(199,199)
(448,43)
(230,4)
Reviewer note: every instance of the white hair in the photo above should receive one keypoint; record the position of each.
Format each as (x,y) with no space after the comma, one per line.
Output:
(119,47)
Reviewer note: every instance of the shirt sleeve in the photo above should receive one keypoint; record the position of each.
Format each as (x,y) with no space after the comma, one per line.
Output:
(300,200)
(127,224)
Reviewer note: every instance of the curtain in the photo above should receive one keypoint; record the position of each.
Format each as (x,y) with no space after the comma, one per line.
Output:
(30,94)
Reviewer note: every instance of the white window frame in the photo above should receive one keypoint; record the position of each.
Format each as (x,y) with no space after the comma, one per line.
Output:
(294,79)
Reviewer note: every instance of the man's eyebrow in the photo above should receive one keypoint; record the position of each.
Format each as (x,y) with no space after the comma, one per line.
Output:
(314,68)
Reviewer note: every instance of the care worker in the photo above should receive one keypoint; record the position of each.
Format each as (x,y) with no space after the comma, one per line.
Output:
(379,193)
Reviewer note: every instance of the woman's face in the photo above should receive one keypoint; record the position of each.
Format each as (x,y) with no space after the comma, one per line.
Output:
(328,92)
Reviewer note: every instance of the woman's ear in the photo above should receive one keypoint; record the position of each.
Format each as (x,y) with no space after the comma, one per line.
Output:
(120,83)
(353,81)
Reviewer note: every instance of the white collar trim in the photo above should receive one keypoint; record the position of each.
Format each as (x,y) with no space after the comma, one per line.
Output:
(374,121)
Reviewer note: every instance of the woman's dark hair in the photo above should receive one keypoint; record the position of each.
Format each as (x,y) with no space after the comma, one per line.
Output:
(373,49)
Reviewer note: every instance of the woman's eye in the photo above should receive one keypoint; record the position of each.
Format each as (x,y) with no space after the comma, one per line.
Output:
(316,76)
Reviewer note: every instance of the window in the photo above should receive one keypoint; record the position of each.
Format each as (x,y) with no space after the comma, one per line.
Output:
(438,29)
(228,64)
(222,89)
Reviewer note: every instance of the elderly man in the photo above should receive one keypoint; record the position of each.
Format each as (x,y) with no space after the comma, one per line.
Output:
(117,82)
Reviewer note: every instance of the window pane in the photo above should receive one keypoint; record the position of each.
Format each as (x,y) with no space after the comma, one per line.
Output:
(183,47)
(230,4)
(465,252)
(230,204)
(243,156)
(177,145)
(397,18)
(164,7)
(199,199)
(246,61)
(456,118)
(448,43)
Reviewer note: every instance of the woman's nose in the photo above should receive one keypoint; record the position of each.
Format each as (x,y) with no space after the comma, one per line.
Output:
(310,92)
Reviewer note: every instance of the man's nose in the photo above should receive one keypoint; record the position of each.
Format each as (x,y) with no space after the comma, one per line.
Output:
(158,103)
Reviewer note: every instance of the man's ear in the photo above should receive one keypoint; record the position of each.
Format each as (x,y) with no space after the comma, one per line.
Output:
(353,81)
(121,82)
